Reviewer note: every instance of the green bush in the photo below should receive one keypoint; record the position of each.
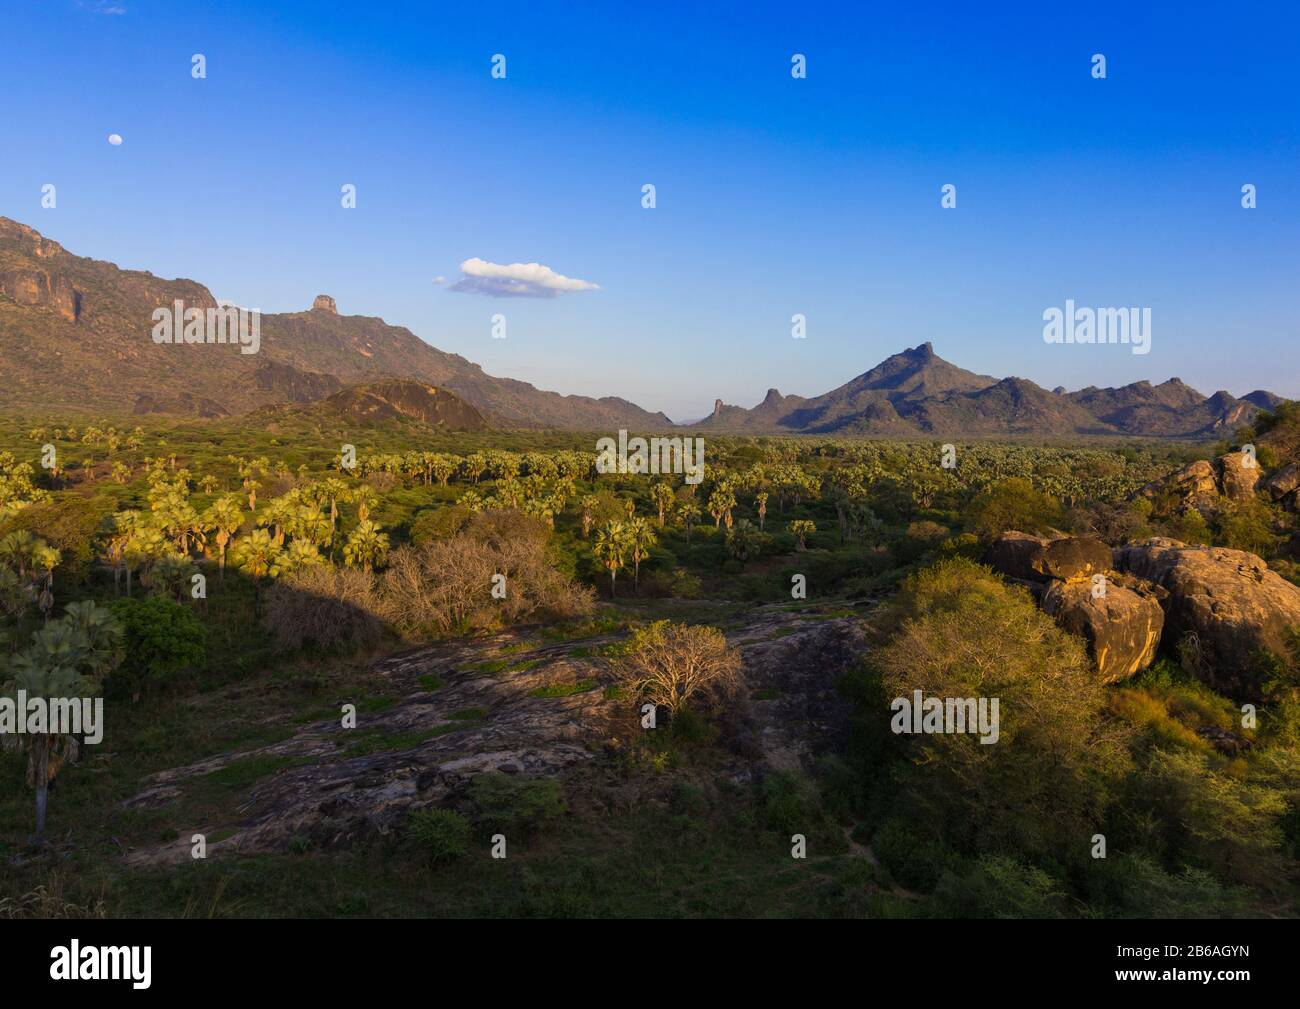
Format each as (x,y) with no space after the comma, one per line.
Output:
(441,834)
(161,638)
(916,862)
(515,806)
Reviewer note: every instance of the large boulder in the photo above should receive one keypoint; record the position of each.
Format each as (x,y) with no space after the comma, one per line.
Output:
(1284,482)
(1229,599)
(1036,558)
(1195,485)
(1238,475)
(1013,554)
(1121,625)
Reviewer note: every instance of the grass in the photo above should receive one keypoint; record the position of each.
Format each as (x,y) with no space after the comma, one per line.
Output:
(242,773)
(639,863)
(564,689)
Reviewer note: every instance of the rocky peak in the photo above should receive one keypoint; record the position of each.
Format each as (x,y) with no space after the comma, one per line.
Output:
(717,408)
(325,303)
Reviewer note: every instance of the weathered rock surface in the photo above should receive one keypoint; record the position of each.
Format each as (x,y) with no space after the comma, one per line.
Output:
(332,785)
(1122,626)
(1238,475)
(1195,484)
(1035,558)
(1203,484)
(1282,484)
(795,710)
(1229,599)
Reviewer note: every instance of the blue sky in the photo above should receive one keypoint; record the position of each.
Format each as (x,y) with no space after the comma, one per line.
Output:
(775,196)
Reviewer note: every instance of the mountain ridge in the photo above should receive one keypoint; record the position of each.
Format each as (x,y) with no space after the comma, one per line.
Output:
(77,331)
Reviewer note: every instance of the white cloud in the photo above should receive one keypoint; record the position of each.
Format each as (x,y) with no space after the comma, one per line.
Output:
(516,280)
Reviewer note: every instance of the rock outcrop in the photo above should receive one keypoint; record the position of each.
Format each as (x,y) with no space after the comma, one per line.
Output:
(1282,484)
(324,303)
(1120,620)
(47,290)
(1238,475)
(1194,485)
(1037,558)
(1121,625)
(1229,600)
(1204,485)
(465,708)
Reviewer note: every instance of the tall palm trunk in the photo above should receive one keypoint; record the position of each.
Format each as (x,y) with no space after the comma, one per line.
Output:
(41,755)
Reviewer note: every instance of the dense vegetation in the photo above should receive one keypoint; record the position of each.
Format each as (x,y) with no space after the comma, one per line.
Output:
(250,574)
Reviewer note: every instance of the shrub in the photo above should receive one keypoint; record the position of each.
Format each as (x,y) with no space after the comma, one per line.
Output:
(441,834)
(916,862)
(996,886)
(956,631)
(443,587)
(161,638)
(1012,504)
(669,664)
(439,523)
(334,609)
(514,806)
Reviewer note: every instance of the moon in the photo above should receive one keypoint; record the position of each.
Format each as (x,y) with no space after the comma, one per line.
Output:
(115,139)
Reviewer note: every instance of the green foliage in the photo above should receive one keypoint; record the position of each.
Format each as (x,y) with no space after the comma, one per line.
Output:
(442,835)
(162,638)
(1013,504)
(1248,526)
(515,806)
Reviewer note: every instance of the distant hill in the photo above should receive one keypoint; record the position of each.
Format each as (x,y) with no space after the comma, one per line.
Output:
(388,399)
(916,392)
(76,332)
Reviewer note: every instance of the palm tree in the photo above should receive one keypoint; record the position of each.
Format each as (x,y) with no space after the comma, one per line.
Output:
(44,560)
(365,499)
(258,554)
(742,540)
(611,549)
(333,490)
(366,546)
(662,493)
(224,516)
(641,537)
(301,553)
(721,501)
(276,515)
(16,550)
(589,505)
(65,661)
(310,523)
(761,500)
(689,513)
(803,528)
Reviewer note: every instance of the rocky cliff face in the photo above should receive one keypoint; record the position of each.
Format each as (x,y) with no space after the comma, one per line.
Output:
(43,289)
(76,331)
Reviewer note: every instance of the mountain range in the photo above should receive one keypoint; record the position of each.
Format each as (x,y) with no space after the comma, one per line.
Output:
(75,333)
(918,393)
